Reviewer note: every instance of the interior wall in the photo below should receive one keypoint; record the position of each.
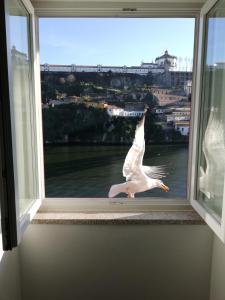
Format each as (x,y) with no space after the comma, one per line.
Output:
(218,270)
(155,262)
(10,288)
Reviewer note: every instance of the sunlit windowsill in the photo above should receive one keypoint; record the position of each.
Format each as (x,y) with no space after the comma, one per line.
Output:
(116,211)
(156,217)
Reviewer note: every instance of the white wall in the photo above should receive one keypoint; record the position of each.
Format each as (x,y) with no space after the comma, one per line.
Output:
(218,270)
(10,288)
(146,262)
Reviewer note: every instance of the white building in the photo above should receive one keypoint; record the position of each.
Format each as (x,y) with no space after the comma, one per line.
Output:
(188,87)
(101,69)
(115,111)
(166,61)
(183,127)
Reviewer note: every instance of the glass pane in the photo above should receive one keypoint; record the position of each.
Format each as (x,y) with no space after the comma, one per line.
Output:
(211,168)
(97,76)
(22,103)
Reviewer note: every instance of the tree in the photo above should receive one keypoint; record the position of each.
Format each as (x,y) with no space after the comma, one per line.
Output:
(149,78)
(62,80)
(70,78)
(150,100)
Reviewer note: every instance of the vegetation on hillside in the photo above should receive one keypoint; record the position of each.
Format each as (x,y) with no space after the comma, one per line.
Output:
(86,121)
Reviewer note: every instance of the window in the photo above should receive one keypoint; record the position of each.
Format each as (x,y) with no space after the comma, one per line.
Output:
(20,114)
(211,167)
(20,164)
(90,114)
(22,105)
(210,193)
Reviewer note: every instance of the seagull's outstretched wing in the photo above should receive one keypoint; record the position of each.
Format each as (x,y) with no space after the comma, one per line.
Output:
(133,162)
(133,165)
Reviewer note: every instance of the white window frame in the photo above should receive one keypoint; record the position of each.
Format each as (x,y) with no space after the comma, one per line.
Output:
(207,215)
(121,204)
(24,220)
(115,9)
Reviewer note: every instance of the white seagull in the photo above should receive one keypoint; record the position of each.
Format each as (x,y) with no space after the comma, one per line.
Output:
(139,178)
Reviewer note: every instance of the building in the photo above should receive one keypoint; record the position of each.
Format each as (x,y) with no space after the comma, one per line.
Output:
(167,61)
(140,70)
(183,127)
(188,87)
(173,78)
(130,110)
(167,96)
(164,70)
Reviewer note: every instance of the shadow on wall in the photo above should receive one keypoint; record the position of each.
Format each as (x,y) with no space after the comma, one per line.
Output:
(10,288)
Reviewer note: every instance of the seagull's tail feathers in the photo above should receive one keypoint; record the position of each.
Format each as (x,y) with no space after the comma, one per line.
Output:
(116,189)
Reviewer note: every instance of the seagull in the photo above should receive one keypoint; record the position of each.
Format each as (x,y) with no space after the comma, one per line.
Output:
(139,178)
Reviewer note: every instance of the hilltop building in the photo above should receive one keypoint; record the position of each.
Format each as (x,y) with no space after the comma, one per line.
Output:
(164,70)
(165,62)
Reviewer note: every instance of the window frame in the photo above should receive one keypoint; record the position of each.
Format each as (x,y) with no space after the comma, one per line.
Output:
(207,215)
(7,183)
(17,221)
(123,204)
(24,220)
(114,9)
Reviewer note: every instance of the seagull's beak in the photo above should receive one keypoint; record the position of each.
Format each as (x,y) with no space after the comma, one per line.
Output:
(164,188)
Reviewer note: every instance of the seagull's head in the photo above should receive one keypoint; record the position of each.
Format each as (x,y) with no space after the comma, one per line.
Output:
(162,186)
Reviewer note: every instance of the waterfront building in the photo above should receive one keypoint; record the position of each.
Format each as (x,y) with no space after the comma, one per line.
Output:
(183,127)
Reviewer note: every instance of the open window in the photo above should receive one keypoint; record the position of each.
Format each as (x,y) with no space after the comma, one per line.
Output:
(21,121)
(20,125)
(98,76)
(208,161)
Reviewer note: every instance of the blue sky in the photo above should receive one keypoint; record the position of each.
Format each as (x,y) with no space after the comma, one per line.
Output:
(18,33)
(114,41)
(216,43)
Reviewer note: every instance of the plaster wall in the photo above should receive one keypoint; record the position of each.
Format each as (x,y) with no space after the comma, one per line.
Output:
(147,262)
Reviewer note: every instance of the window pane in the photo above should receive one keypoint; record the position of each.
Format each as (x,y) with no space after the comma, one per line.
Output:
(97,75)
(22,103)
(211,168)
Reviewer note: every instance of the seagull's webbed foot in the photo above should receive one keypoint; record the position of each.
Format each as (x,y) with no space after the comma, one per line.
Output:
(164,187)
(130,195)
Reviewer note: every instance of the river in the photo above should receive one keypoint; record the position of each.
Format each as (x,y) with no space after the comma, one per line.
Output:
(89,171)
